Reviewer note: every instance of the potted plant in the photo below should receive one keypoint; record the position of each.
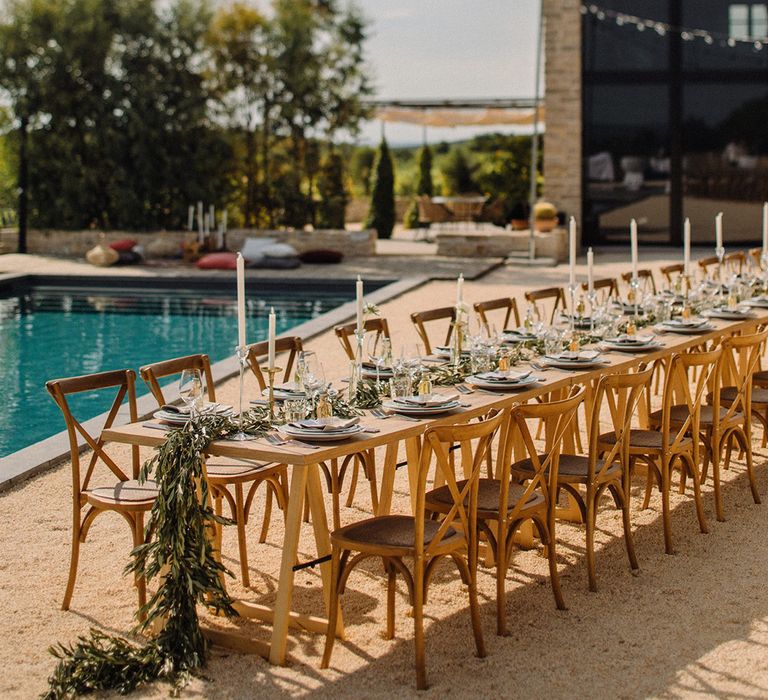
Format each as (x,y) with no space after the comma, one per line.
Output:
(518,217)
(545,215)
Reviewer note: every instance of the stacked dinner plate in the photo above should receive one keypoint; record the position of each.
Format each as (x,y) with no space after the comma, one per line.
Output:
(444,351)
(323,430)
(729,314)
(686,326)
(500,380)
(426,405)
(760,302)
(179,415)
(583,359)
(370,372)
(284,392)
(517,335)
(632,343)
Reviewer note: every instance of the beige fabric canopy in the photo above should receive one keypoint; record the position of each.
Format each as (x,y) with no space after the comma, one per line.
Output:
(447,116)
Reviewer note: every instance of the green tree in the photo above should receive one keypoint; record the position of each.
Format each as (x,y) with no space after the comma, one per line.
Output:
(333,195)
(458,173)
(382,212)
(425,171)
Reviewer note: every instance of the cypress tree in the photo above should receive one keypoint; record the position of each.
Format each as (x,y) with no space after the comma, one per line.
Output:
(425,171)
(382,213)
(333,195)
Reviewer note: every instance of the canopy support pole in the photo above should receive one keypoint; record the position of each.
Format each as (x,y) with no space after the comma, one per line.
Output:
(535,140)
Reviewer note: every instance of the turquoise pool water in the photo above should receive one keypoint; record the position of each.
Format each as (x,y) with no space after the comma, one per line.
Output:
(49,332)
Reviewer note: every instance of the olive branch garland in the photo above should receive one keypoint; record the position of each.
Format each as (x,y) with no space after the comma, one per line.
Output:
(180,552)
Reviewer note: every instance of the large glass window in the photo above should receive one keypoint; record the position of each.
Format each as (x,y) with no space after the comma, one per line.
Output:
(675,121)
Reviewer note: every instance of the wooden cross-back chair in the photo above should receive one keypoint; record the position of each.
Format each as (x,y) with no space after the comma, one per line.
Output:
(733,391)
(672,272)
(421,318)
(605,288)
(334,471)
(506,304)
(668,443)
(757,256)
(621,394)
(733,263)
(230,472)
(645,278)
(123,494)
(394,538)
(348,330)
(292,345)
(554,294)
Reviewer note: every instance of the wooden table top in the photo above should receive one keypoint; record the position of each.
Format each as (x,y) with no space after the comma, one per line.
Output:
(394,429)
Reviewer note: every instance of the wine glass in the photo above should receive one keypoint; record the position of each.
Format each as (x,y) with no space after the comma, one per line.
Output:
(191,389)
(375,348)
(314,375)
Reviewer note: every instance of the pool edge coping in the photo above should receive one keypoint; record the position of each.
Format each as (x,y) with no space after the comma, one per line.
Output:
(52,451)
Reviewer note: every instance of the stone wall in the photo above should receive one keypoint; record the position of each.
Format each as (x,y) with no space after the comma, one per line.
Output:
(562,143)
(472,244)
(74,244)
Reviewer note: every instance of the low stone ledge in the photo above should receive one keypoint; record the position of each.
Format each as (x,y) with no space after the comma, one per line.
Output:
(492,244)
(75,244)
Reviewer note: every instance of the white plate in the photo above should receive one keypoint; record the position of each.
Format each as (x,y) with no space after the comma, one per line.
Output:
(384,373)
(321,435)
(685,330)
(502,386)
(729,314)
(281,395)
(408,410)
(758,302)
(565,363)
(632,347)
(182,418)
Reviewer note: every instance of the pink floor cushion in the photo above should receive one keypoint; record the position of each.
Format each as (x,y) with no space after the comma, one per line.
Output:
(123,245)
(321,256)
(218,261)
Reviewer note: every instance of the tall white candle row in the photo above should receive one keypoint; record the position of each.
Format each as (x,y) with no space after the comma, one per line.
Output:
(633,246)
(241,315)
(359,305)
(687,247)
(719,230)
(572,253)
(765,229)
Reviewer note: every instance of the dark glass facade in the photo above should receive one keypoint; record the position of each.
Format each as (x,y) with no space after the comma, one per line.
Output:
(675,118)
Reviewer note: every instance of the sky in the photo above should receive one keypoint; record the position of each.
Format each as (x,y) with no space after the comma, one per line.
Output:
(448,49)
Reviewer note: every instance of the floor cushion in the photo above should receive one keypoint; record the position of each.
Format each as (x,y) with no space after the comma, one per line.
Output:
(218,261)
(123,245)
(321,256)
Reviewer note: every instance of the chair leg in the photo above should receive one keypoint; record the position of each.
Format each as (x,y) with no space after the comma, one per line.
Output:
(369,466)
(73,559)
(333,606)
(418,624)
(650,479)
(716,480)
(474,604)
(548,540)
(141,582)
(747,437)
(501,578)
(629,540)
(697,496)
(591,523)
(241,541)
(336,493)
(391,582)
(353,483)
(267,514)
(665,514)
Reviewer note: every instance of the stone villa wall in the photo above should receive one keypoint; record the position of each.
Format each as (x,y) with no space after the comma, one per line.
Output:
(562,143)
(74,244)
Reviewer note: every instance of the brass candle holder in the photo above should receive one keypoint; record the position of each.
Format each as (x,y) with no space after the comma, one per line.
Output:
(271,372)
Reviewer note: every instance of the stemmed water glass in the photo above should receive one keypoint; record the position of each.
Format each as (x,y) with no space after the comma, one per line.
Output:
(314,376)
(191,389)
(376,348)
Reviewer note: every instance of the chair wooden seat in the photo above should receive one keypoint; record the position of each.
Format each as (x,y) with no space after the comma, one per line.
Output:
(679,414)
(728,395)
(440,500)
(390,531)
(235,471)
(639,439)
(574,468)
(760,377)
(126,494)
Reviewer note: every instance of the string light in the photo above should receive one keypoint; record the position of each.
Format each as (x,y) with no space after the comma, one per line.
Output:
(622,19)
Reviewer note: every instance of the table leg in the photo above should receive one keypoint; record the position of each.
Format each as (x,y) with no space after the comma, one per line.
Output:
(412,453)
(290,548)
(388,479)
(322,538)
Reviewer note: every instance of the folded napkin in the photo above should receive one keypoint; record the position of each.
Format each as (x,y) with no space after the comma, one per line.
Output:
(372,366)
(326,425)
(184,410)
(631,339)
(290,388)
(428,400)
(501,376)
(581,356)
(686,323)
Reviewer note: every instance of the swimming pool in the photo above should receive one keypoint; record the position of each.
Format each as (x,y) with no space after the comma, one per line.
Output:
(49,331)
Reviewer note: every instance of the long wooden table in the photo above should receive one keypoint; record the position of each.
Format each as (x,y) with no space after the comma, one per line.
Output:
(305,478)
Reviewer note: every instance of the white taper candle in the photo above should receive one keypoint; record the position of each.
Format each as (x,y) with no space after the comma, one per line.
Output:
(240,301)
(572,252)
(719,230)
(765,228)
(359,300)
(191,218)
(633,246)
(271,339)
(687,247)
(590,271)
(460,290)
